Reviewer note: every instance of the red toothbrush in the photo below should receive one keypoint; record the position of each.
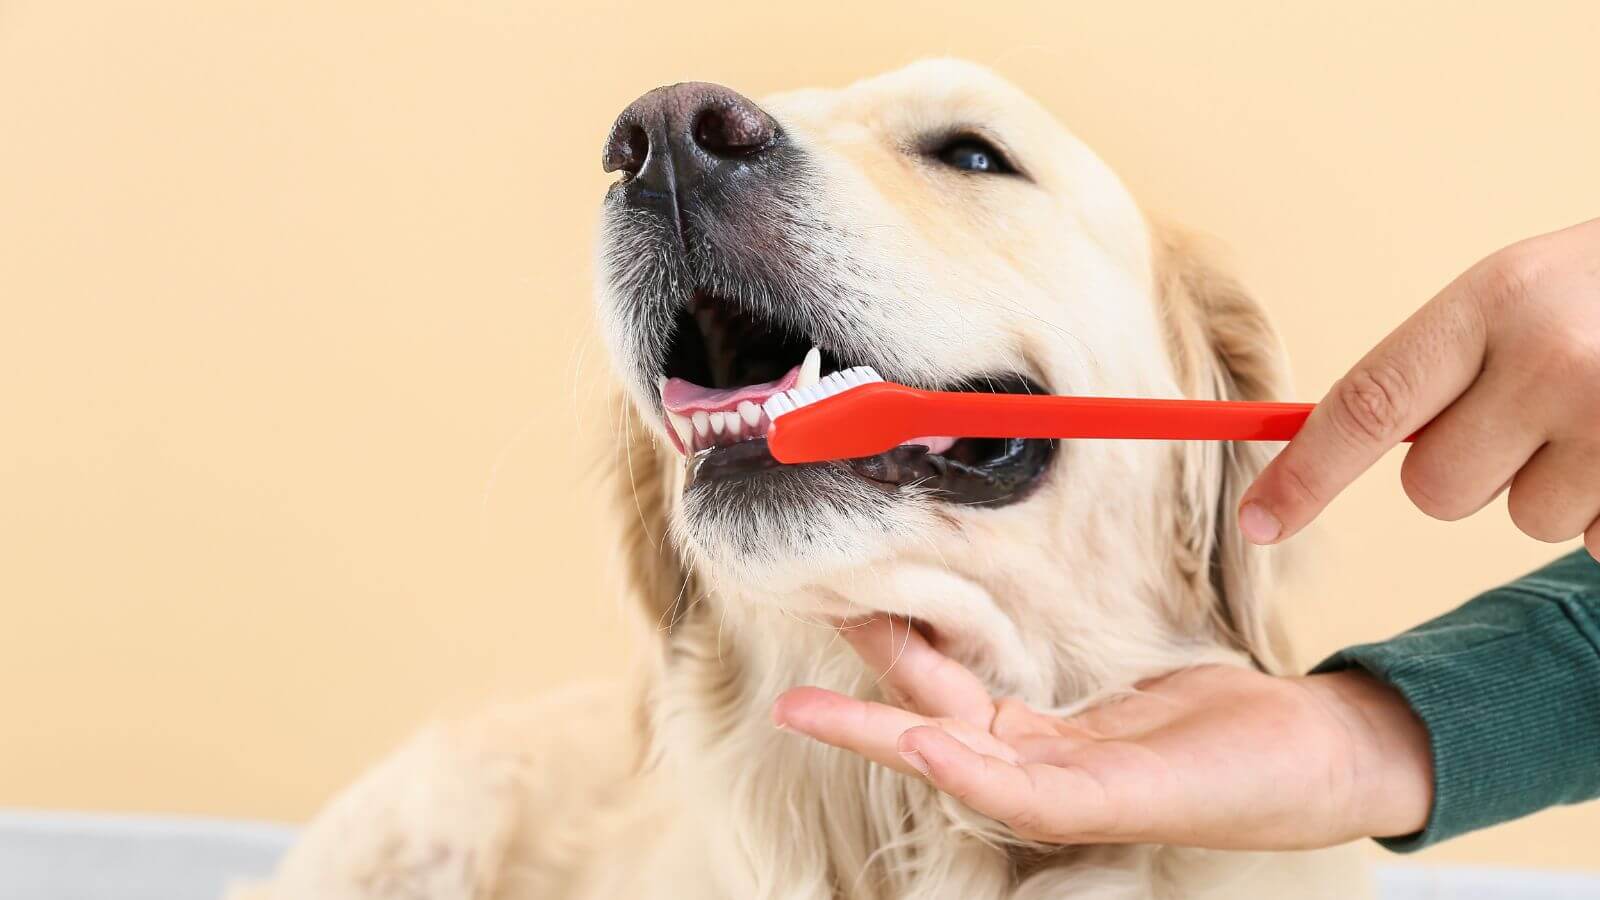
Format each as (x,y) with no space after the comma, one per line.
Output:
(854,413)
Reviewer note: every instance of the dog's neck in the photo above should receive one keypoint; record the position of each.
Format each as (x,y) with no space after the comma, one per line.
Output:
(815,822)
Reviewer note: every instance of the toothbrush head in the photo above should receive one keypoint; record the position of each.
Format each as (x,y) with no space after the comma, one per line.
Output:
(850,414)
(834,384)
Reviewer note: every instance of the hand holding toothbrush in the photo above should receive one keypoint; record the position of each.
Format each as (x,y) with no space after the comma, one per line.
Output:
(1503,369)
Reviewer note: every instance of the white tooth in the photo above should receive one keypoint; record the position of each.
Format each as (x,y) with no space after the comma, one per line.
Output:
(810,368)
(702,423)
(716,423)
(683,428)
(750,413)
(661,384)
(733,424)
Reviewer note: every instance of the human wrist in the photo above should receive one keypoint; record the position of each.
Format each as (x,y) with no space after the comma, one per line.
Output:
(1391,754)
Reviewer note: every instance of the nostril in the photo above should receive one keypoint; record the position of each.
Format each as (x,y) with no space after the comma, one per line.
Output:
(627,150)
(674,136)
(735,131)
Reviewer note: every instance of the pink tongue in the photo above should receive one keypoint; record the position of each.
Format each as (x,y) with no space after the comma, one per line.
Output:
(681,396)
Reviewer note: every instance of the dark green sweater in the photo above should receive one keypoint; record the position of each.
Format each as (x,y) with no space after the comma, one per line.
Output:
(1509,688)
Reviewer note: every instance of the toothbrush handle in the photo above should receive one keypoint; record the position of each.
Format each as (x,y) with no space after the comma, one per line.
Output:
(872,418)
(1021,415)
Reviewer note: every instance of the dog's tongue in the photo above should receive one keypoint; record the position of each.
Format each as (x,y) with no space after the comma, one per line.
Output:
(680,396)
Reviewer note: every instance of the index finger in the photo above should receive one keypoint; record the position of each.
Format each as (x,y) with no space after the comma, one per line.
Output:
(1409,378)
(932,683)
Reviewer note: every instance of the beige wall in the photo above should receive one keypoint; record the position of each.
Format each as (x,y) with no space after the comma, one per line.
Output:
(301,406)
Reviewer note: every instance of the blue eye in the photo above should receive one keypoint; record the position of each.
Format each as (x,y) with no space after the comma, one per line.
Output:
(969,154)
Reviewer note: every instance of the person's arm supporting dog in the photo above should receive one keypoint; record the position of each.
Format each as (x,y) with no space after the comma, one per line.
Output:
(1214,756)
(1509,689)
(1487,713)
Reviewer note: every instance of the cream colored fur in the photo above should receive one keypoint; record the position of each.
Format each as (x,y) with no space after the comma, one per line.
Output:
(1125,563)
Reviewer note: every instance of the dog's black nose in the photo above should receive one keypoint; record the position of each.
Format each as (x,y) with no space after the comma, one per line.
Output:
(675,137)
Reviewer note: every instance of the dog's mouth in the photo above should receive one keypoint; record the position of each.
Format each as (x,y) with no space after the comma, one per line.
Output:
(724,361)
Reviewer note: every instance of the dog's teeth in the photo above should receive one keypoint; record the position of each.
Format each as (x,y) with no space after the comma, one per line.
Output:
(750,412)
(717,423)
(732,424)
(684,429)
(661,384)
(702,423)
(810,368)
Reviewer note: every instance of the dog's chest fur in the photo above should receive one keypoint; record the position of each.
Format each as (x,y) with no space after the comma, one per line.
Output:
(740,809)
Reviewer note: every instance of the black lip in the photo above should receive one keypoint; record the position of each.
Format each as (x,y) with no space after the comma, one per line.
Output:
(973,472)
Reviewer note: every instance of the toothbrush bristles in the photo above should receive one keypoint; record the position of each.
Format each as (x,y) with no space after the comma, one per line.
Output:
(836,383)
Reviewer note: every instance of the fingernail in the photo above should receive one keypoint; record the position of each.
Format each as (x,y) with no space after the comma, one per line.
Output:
(914,759)
(1259,525)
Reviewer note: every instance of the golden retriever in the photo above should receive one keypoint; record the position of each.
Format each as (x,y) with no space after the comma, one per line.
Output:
(936,224)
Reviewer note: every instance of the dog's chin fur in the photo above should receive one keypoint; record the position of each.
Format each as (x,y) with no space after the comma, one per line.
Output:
(1124,562)
(782,527)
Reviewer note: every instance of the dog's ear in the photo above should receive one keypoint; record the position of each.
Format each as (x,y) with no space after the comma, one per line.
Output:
(643,486)
(1225,349)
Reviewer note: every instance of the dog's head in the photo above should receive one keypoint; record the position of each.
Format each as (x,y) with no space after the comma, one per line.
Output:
(938,225)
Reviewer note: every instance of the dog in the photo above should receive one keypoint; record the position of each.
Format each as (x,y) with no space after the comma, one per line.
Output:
(936,224)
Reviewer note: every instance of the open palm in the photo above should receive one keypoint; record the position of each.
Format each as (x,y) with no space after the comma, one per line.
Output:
(1213,756)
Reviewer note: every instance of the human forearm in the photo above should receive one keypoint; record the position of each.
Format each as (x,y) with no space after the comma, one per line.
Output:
(1508,687)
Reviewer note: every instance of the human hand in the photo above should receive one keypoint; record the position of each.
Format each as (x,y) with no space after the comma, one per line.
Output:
(1503,366)
(1214,756)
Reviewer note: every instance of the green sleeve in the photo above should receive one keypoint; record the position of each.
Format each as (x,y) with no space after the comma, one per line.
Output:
(1509,689)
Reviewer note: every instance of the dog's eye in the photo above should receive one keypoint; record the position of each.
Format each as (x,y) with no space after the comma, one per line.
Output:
(970,154)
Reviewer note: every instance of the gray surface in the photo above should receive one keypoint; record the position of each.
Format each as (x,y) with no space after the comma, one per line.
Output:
(1483,883)
(68,856)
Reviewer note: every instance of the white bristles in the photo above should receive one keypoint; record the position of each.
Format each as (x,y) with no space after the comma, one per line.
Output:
(837,383)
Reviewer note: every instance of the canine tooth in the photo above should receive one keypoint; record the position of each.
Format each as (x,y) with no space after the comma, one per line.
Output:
(661,384)
(683,428)
(733,424)
(750,413)
(702,423)
(716,423)
(810,368)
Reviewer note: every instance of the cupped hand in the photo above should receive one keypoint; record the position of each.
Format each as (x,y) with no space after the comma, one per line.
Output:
(1214,756)
(1503,368)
